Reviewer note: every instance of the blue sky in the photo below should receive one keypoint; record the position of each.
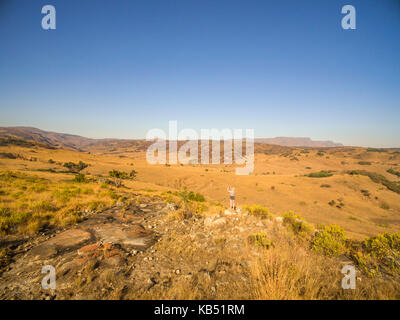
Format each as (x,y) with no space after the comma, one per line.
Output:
(283,68)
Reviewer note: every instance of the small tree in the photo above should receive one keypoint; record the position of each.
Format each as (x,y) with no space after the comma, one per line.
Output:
(75,167)
(80,178)
(184,194)
(133,174)
(117,177)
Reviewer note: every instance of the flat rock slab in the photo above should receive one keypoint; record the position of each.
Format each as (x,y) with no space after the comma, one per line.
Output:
(209,222)
(65,240)
(128,217)
(134,236)
(230,212)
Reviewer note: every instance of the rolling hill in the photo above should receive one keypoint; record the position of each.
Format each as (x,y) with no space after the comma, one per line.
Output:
(79,143)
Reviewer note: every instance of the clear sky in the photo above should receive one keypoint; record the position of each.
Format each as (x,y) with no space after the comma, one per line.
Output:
(283,68)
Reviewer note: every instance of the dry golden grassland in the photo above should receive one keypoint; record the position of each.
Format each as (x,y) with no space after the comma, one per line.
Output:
(355,202)
(329,199)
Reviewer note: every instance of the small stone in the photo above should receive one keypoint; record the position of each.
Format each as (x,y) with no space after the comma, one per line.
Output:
(177,271)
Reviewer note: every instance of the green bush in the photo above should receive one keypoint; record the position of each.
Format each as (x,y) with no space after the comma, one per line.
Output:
(391,171)
(196,197)
(385,249)
(118,176)
(259,211)
(320,174)
(385,206)
(133,174)
(75,167)
(378,178)
(10,220)
(376,150)
(296,223)
(80,178)
(331,241)
(366,193)
(260,240)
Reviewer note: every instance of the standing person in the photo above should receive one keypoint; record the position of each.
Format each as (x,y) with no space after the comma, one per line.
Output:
(231,191)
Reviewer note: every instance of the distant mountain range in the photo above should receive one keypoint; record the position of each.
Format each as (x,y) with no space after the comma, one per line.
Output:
(70,141)
(297,142)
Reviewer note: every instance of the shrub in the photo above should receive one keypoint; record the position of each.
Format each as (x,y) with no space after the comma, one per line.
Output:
(365,193)
(320,174)
(260,240)
(80,178)
(96,206)
(325,186)
(195,197)
(75,167)
(118,176)
(331,241)
(10,220)
(7,155)
(259,211)
(378,178)
(376,150)
(364,163)
(133,174)
(296,223)
(385,206)
(385,249)
(44,206)
(391,171)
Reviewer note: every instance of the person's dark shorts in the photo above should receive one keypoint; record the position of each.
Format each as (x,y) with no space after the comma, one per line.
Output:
(232,197)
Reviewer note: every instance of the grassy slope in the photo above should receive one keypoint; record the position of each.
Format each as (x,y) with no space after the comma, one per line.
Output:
(50,199)
(360,216)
